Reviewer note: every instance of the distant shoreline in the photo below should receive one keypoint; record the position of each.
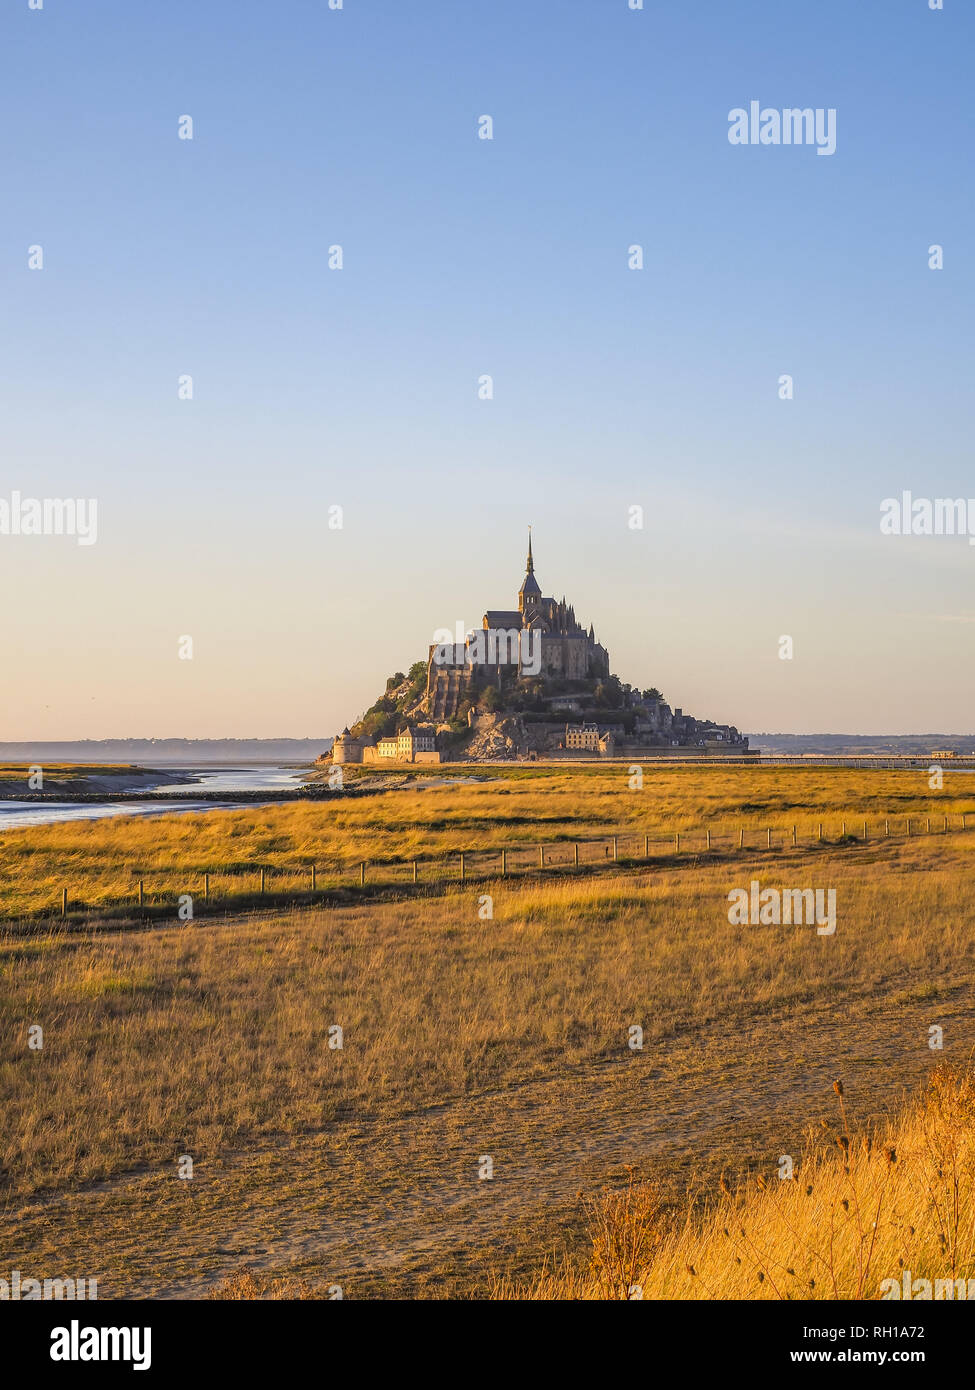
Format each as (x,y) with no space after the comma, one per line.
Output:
(214,753)
(63,783)
(165,752)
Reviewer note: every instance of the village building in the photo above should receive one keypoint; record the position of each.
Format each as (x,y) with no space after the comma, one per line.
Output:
(582,736)
(409,745)
(409,742)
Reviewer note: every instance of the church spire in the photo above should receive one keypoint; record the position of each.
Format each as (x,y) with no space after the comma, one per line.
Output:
(529,595)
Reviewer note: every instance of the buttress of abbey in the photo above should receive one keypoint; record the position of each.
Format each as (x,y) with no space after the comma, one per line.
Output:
(541,637)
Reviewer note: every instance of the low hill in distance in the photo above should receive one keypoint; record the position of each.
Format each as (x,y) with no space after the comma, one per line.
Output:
(163,751)
(884,745)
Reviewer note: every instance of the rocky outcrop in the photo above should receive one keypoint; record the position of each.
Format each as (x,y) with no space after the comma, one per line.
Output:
(496,738)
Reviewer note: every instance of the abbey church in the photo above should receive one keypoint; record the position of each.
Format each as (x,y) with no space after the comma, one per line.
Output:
(539,638)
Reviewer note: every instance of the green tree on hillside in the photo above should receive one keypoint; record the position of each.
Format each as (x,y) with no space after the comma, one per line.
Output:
(609,693)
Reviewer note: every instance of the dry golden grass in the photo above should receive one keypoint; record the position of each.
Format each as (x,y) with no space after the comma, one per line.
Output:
(100,862)
(465,1036)
(846,1225)
(248,1285)
(193,1038)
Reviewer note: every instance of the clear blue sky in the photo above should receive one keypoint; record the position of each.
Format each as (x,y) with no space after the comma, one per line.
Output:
(358,387)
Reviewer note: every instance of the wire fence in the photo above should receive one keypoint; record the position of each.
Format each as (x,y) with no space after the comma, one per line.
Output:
(225,888)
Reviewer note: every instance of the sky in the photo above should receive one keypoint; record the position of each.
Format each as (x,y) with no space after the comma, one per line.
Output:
(358,387)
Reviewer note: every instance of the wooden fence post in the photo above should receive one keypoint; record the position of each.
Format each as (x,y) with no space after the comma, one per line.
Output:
(577,854)
(541,856)
(314,877)
(206,887)
(864,830)
(677,842)
(928,825)
(769,834)
(793,837)
(463,872)
(615,848)
(262,880)
(646,846)
(708,834)
(504,862)
(141,893)
(887,829)
(414,871)
(64,902)
(741,838)
(946,825)
(362,873)
(820,831)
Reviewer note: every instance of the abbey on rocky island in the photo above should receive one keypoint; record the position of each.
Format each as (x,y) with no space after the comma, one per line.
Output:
(530,681)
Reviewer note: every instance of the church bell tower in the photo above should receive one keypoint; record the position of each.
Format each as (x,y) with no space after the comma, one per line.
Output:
(529,594)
